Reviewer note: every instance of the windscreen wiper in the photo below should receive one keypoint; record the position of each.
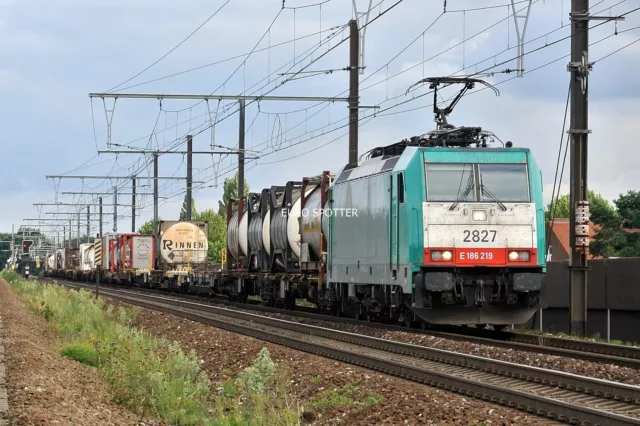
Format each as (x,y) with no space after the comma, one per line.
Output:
(465,193)
(492,197)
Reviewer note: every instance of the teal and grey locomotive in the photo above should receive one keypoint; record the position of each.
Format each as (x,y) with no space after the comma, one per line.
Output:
(443,228)
(454,235)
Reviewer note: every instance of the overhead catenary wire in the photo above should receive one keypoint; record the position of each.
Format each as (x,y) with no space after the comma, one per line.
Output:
(602,58)
(553,192)
(174,48)
(368,118)
(544,65)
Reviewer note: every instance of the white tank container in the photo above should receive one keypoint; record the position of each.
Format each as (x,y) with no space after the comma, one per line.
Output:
(285,228)
(183,243)
(51,262)
(313,222)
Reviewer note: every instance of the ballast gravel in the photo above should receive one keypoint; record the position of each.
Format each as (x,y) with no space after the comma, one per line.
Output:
(402,402)
(551,362)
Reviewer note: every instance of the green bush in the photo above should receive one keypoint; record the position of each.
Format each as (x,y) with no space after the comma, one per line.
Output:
(152,376)
(149,376)
(9,275)
(81,352)
(266,397)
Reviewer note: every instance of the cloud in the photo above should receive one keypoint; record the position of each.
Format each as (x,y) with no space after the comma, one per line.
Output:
(548,194)
(54,56)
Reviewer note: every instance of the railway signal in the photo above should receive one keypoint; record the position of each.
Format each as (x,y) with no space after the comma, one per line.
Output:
(26,246)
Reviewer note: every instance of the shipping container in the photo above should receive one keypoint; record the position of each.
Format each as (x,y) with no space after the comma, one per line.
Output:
(106,253)
(72,258)
(86,257)
(182,243)
(136,251)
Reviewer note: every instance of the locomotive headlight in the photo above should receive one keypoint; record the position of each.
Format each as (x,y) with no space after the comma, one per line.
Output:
(479,215)
(513,256)
(524,256)
(436,255)
(446,256)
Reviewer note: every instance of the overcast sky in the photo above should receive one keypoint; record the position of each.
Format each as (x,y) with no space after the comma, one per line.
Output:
(53,54)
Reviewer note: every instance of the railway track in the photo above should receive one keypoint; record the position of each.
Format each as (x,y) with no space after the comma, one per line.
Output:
(554,395)
(624,356)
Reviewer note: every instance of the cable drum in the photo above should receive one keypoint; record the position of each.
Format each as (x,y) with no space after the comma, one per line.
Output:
(279,229)
(312,222)
(244,231)
(266,228)
(232,235)
(237,234)
(255,233)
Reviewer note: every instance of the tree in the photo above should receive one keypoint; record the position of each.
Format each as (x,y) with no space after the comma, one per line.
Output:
(147,227)
(5,248)
(601,211)
(217,237)
(230,192)
(628,206)
(183,211)
(614,238)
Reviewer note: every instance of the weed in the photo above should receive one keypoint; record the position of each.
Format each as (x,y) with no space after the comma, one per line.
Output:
(152,376)
(259,396)
(147,375)
(315,379)
(346,396)
(9,275)
(81,352)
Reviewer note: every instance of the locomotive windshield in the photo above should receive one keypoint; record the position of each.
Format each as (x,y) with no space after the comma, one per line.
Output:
(451,182)
(506,182)
(459,182)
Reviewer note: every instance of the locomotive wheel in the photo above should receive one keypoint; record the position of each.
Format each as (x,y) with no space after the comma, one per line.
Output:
(499,327)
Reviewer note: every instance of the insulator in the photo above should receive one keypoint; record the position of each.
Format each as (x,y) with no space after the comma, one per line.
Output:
(582,231)
(582,212)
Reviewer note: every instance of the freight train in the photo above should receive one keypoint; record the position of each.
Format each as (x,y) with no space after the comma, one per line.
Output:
(435,229)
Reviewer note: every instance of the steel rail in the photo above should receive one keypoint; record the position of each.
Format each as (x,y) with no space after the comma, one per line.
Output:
(532,403)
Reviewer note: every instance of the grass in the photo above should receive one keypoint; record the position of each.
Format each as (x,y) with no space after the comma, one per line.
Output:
(350,395)
(152,376)
(596,337)
(265,394)
(81,352)
(10,276)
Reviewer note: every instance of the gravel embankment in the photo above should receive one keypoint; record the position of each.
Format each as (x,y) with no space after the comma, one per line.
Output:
(45,388)
(551,362)
(402,402)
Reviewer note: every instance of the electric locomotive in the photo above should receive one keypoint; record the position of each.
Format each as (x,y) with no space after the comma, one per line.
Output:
(443,229)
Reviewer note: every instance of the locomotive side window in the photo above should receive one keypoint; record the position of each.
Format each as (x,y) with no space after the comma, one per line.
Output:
(504,182)
(401,188)
(450,182)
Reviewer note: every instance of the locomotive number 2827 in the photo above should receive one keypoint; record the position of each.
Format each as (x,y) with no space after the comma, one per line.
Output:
(477,236)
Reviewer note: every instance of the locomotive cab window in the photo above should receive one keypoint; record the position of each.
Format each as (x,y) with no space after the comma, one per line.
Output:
(401,188)
(450,182)
(504,182)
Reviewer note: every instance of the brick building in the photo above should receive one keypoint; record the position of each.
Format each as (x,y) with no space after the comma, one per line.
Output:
(559,246)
